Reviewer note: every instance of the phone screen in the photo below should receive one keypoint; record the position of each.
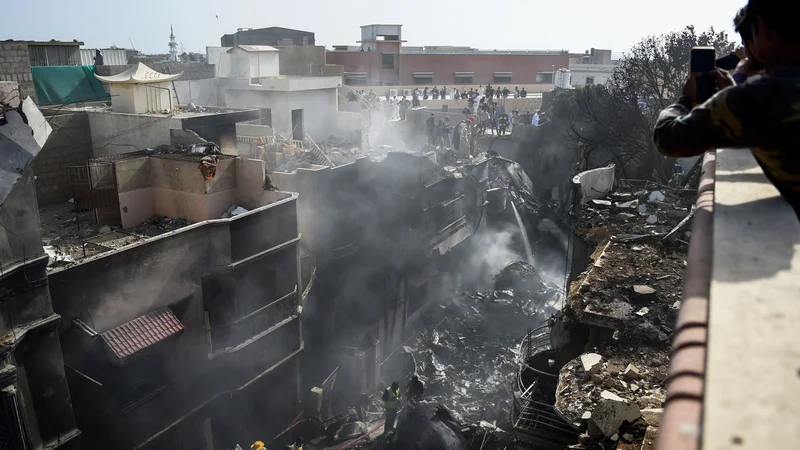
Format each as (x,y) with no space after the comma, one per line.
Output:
(703,60)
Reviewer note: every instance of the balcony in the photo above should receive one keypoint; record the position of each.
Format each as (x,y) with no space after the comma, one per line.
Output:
(733,380)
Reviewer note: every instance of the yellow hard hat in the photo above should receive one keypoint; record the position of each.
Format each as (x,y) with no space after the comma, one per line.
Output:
(257,445)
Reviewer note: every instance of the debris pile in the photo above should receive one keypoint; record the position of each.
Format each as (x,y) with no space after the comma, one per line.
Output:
(628,301)
(70,236)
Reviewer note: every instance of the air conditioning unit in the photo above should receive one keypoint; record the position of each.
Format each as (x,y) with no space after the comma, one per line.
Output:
(393,92)
(407,92)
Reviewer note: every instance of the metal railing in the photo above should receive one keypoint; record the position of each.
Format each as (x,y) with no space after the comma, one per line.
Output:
(258,323)
(320,156)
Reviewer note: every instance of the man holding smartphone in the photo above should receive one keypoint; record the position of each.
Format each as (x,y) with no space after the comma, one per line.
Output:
(762,114)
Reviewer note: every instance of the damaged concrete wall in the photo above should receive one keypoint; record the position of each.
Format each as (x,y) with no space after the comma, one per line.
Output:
(276,101)
(170,271)
(70,144)
(30,353)
(317,106)
(115,134)
(179,189)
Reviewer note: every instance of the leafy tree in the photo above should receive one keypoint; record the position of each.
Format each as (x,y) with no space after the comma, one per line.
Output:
(614,122)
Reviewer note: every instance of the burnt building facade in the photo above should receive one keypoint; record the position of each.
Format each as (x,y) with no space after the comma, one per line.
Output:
(377,238)
(35,403)
(191,338)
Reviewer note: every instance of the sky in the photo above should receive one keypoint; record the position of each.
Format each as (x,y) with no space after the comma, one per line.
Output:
(574,25)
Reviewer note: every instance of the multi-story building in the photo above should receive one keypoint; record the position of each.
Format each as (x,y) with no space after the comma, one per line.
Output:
(273,36)
(35,405)
(189,338)
(382,59)
(594,66)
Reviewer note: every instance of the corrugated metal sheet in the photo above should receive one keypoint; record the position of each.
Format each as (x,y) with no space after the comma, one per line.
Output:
(111,57)
(54,55)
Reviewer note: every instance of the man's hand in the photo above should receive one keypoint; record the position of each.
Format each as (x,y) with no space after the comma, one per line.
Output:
(690,88)
(723,79)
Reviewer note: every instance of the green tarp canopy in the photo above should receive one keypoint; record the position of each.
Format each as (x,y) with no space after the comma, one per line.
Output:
(56,85)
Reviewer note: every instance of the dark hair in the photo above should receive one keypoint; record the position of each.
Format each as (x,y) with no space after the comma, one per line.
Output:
(742,25)
(780,15)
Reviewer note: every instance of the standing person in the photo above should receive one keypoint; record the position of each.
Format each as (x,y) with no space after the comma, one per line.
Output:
(483,120)
(454,94)
(430,126)
(535,119)
(523,93)
(395,111)
(516,91)
(464,95)
(446,133)
(760,115)
(443,93)
(489,91)
(403,106)
(438,132)
(457,135)
(499,93)
(415,388)
(473,135)
(481,91)
(435,93)
(506,92)
(391,401)
(502,123)
(415,99)
(425,93)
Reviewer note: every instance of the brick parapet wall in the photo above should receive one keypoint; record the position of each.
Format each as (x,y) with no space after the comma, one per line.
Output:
(15,65)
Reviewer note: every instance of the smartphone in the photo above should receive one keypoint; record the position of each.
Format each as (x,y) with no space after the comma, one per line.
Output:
(728,62)
(703,60)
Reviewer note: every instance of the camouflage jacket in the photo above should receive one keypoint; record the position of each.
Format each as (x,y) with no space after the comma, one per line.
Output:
(762,114)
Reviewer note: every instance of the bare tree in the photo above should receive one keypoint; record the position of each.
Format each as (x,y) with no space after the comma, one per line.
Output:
(616,120)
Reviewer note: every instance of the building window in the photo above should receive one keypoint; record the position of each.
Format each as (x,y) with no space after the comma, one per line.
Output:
(140,381)
(544,77)
(12,430)
(423,77)
(387,60)
(589,80)
(502,77)
(464,77)
(265,116)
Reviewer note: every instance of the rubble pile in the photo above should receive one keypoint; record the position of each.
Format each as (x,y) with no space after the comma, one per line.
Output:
(628,299)
(70,236)
(467,358)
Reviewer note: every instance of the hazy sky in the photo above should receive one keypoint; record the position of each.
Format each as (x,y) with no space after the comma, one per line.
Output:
(574,25)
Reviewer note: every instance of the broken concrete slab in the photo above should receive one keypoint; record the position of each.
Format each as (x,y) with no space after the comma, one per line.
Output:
(631,372)
(643,312)
(612,412)
(591,362)
(653,416)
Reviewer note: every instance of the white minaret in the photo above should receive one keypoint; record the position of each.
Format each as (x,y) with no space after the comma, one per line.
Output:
(173,46)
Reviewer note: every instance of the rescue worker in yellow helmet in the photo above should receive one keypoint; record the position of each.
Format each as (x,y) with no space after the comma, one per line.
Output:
(258,445)
(391,401)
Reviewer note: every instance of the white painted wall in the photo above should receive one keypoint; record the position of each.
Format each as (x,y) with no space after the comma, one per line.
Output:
(141,98)
(219,57)
(600,72)
(253,64)
(317,106)
(277,101)
(200,92)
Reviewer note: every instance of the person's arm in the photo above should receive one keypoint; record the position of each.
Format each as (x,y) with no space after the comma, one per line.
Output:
(718,123)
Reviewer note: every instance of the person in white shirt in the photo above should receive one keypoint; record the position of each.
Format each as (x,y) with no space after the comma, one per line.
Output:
(535,121)
(481,90)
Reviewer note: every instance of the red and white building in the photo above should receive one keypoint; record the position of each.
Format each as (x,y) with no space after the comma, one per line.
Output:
(382,59)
